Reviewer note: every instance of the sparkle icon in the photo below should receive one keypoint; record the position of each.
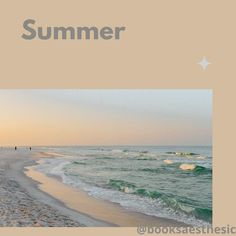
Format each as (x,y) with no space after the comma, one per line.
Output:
(204,63)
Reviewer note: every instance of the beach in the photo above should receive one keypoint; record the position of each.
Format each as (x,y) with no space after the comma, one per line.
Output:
(29,198)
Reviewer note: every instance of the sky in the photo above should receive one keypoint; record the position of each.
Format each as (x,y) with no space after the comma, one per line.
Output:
(105,117)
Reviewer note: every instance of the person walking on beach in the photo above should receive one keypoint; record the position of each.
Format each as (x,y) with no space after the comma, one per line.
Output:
(30,148)
(15,147)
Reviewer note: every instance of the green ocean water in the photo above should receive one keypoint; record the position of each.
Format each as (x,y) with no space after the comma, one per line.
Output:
(170,182)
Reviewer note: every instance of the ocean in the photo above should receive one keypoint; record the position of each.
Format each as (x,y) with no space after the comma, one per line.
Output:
(173,182)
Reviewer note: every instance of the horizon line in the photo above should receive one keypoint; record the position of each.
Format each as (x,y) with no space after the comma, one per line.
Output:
(113,145)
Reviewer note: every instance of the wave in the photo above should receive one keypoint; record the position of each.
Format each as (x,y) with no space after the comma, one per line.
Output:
(177,204)
(183,205)
(201,157)
(122,185)
(104,158)
(129,151)
(183,153)
(78,163)
(176,167)
(202,170)
(51,154)
(143,152)
(144,159)
(153,170)
(196,169)
(187,166)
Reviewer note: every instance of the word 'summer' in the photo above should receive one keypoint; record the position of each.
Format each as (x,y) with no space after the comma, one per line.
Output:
(70,33)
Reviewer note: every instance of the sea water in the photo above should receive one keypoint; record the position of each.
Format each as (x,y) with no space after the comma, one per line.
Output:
(171,181)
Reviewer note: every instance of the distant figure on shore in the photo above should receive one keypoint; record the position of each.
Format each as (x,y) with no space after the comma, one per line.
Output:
(30,148)
(15,147)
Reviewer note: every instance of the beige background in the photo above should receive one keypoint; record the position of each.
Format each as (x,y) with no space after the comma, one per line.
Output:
(163,42)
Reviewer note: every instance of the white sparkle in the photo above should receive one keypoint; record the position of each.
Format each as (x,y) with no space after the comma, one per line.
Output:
(204,63)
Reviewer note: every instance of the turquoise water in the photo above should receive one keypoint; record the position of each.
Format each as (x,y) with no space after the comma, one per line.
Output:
(169,182)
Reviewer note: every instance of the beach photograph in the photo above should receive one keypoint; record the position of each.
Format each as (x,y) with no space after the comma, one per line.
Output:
(105,157)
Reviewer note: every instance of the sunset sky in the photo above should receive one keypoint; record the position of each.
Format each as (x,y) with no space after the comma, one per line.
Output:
(105,117)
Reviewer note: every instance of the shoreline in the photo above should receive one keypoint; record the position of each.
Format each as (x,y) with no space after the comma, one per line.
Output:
(74,206)
(80,201)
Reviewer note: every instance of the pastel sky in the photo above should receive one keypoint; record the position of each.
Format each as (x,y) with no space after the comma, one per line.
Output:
(105,117)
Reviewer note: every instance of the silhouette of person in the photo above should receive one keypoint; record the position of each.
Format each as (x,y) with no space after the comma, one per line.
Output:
(30,148)
(15,147)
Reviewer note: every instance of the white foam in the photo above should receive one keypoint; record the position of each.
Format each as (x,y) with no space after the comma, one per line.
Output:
(187,166)
(201,157)
(168,161)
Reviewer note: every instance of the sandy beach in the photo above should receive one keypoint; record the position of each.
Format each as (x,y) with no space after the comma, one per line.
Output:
(30,198)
